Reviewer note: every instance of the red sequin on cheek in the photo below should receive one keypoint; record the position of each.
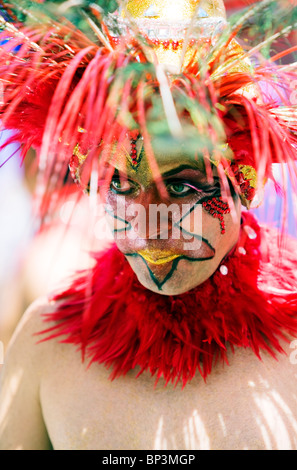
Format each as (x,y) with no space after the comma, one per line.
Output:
(217,208)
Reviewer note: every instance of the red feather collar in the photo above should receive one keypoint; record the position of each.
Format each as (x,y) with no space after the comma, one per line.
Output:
(119,323)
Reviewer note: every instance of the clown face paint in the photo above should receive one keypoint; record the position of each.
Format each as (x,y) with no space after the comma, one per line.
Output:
(176,242)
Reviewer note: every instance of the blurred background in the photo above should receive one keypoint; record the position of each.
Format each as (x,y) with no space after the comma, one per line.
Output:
(33,263)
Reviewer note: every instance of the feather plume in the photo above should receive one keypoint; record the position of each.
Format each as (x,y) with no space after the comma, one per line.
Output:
(57,80)
(117,322)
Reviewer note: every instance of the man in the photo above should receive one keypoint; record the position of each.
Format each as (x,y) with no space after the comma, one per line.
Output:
(193,288)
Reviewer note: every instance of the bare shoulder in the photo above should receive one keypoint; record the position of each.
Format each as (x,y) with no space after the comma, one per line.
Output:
(24,362)
(27,336)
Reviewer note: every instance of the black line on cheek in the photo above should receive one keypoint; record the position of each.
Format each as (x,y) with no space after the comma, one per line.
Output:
(198,237)
(216,193)
(173,269)
(206,198)
(116,217)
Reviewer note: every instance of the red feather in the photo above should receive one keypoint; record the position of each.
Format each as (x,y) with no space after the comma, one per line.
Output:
(53,88)
(176,337)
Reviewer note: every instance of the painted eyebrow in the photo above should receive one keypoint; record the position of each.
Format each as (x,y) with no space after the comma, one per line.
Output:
(181,168)
(120,174)
(173,172)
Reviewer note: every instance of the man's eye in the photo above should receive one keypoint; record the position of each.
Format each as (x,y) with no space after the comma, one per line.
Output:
(121,187)
(186,188)
(179,189)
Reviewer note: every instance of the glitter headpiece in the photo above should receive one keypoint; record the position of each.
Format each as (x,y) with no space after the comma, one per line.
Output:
(145,75)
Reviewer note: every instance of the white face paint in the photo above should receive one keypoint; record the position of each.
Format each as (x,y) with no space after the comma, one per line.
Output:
(173,244)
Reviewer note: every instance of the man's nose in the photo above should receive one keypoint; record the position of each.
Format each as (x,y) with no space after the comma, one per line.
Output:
(155,220)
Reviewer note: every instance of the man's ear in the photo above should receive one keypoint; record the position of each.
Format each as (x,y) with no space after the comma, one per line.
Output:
(256,201)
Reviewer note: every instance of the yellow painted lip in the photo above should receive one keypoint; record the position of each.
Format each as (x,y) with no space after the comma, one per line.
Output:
(158,257)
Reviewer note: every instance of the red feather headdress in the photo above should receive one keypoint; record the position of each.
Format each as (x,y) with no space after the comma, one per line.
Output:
(75,99)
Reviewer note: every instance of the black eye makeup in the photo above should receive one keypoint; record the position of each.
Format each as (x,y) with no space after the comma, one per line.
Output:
(183,188)
(180,184)
(123,186)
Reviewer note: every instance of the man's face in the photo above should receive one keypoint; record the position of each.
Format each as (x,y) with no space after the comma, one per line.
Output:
(174,241)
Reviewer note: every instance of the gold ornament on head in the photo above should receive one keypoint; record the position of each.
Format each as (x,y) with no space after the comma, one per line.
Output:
(165,24)
(184,31)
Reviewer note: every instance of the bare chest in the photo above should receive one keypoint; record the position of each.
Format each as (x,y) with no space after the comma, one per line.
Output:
(249,404)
